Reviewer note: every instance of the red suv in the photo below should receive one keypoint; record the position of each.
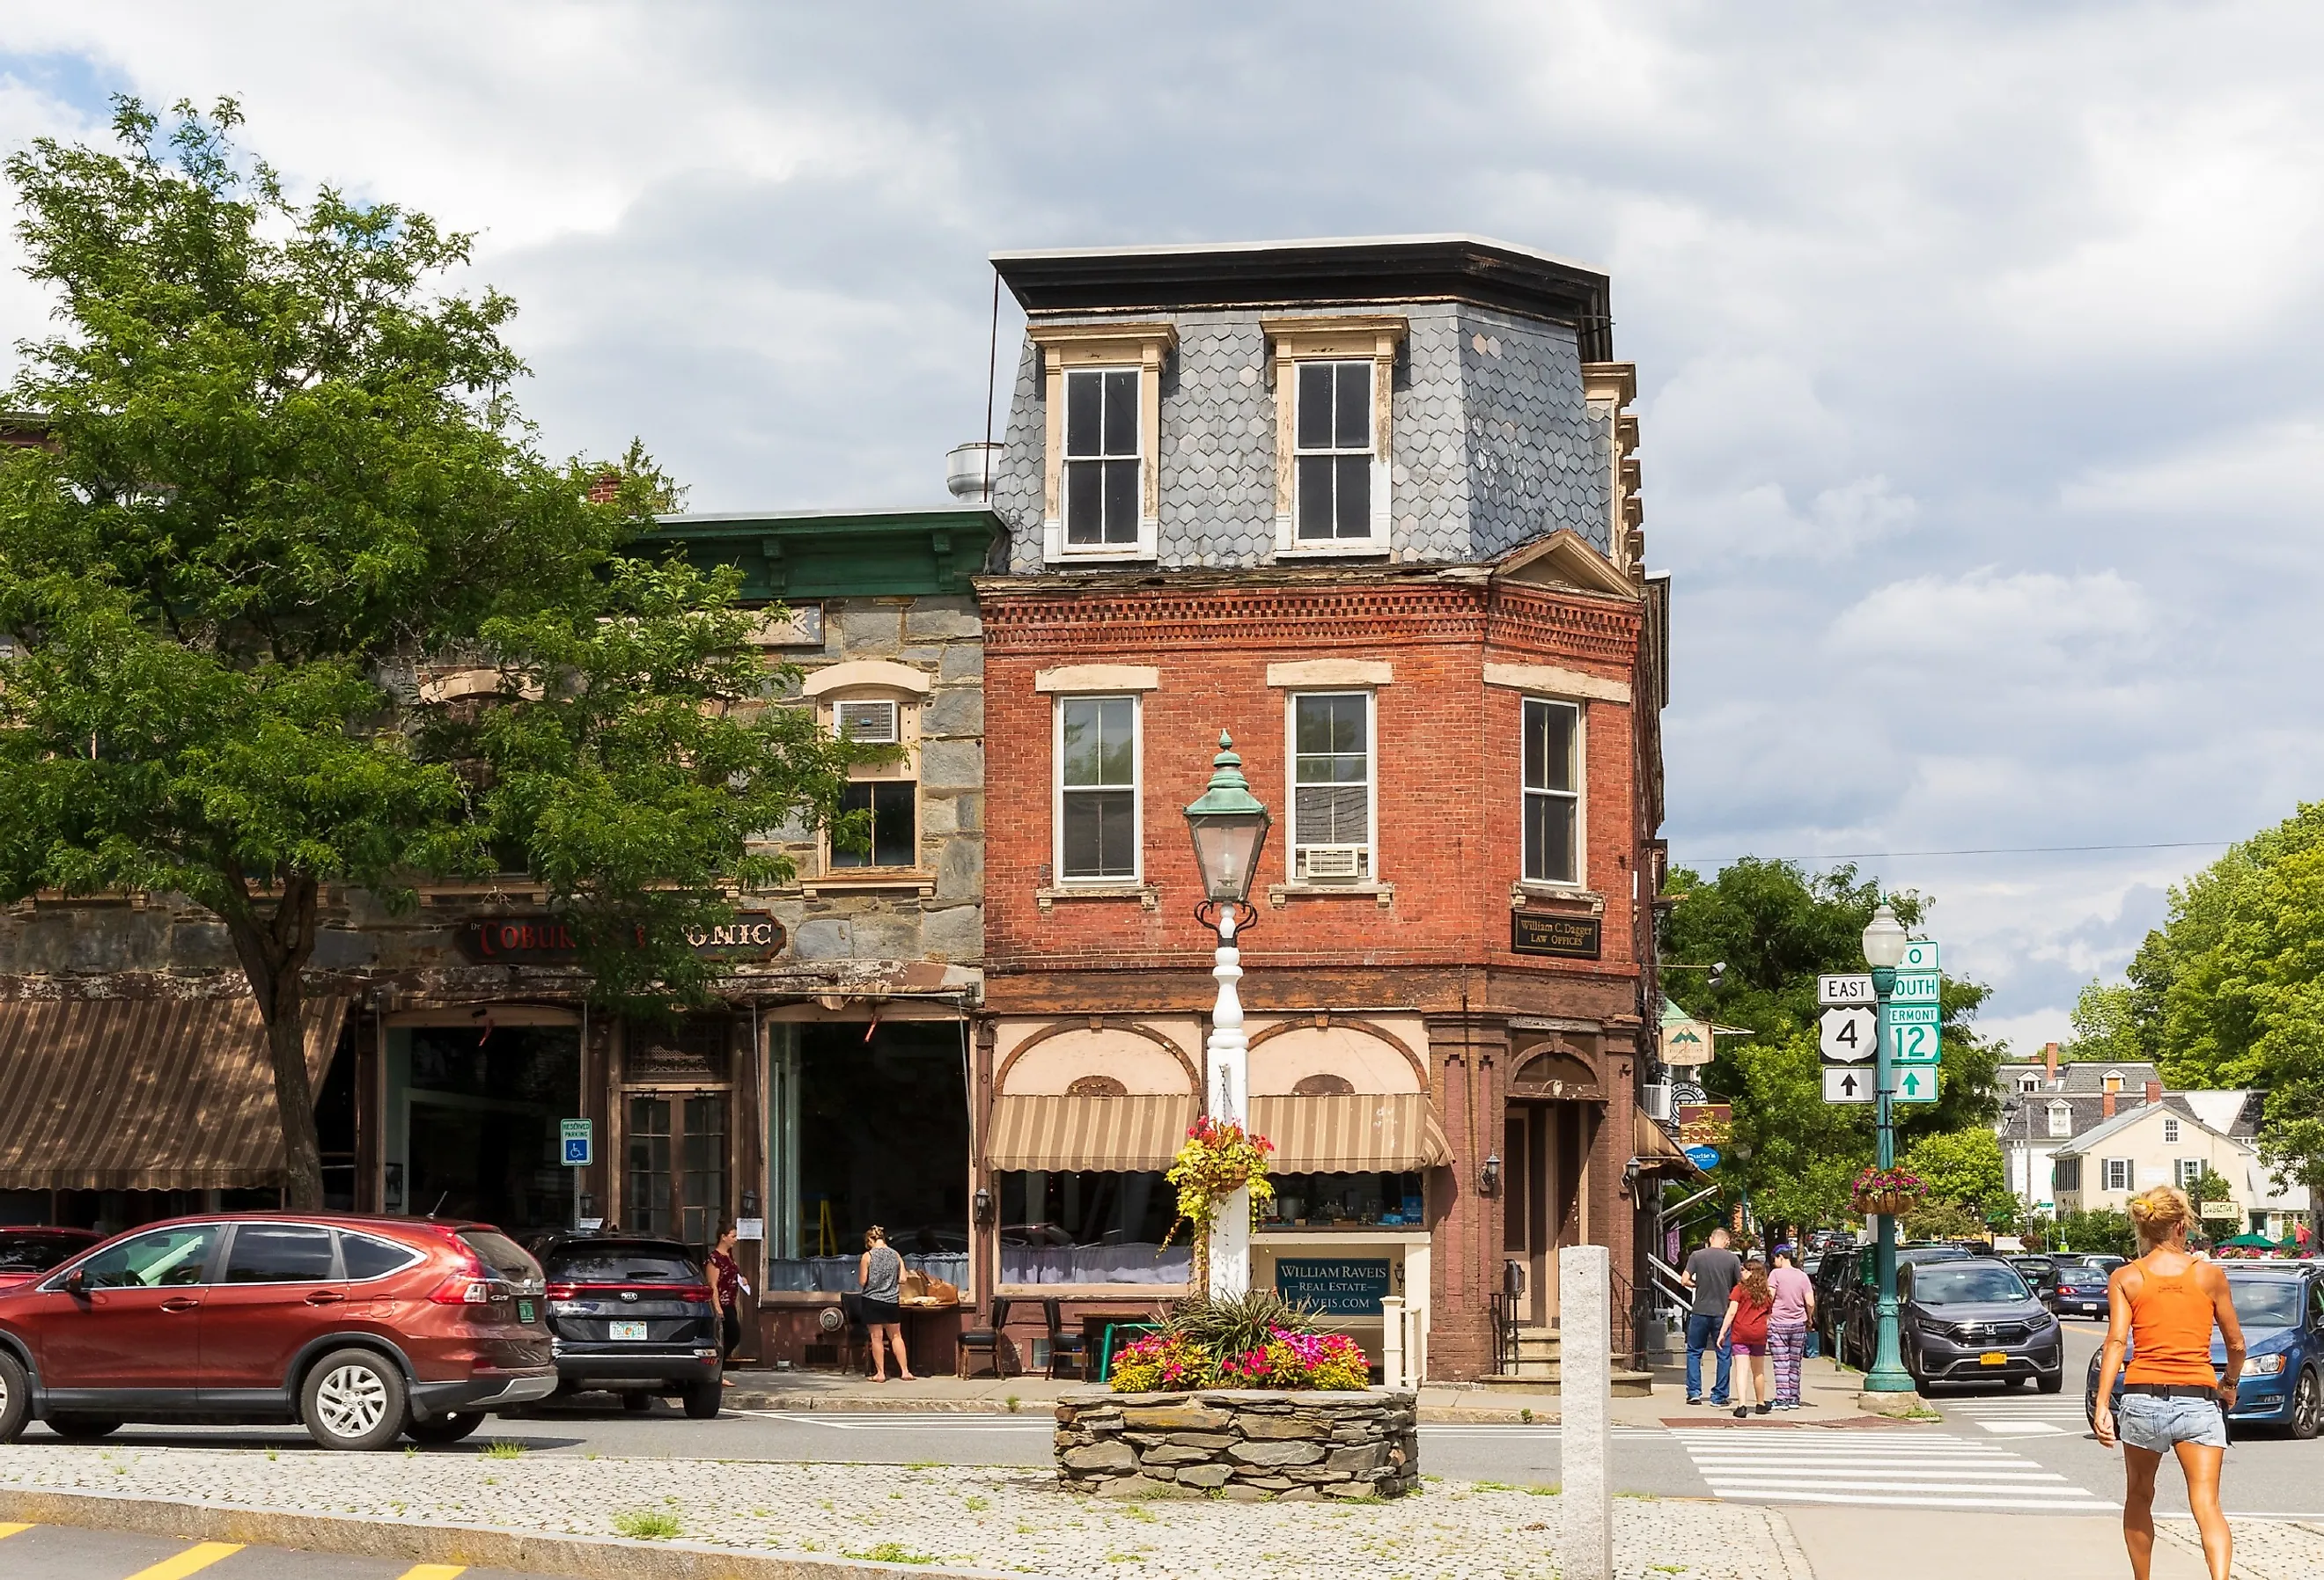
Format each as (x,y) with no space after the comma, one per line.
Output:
(362,1329)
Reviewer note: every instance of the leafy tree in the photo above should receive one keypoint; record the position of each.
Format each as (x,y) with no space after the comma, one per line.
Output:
(1963,1167)
(1945,1220)
(2106,1026)
(2095,1231)
(2229,992)
(284,478)
(1777,927)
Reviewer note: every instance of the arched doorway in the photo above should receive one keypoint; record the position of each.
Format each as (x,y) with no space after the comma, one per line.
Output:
(1554,1101)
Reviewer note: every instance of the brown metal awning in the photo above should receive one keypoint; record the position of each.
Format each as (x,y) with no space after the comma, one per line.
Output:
(144,1094)
(1127,1133)
(1652,1150)
(1358,1134)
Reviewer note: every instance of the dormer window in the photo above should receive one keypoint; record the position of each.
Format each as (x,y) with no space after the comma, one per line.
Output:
(1333,379)
(2062,1121)
(1101,385)
(2029,1083)
(2111,1081)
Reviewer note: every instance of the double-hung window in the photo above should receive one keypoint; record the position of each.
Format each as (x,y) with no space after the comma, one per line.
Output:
(1097,790)
(2061,1120)
(1552,797)
(2118,1174)
(2189,1171)
(1101,457)
(2171,1132)
(1334,452)
(1332,788)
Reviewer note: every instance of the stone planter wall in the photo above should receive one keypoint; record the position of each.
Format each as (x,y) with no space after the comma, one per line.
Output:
(1243,1443)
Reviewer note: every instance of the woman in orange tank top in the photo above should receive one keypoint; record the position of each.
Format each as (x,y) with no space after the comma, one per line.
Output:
(2170,1398)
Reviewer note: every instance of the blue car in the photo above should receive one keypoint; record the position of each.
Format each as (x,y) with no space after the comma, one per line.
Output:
(2282,1310)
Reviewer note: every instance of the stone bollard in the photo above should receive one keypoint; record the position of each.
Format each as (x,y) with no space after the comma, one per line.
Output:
(1392,1341)
(1585,1549)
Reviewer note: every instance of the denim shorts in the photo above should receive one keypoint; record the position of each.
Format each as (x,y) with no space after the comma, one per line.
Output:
(2144,1422)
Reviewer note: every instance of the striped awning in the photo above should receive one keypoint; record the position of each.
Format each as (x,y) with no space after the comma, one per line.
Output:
(1654,1151)
(1127,1133)
(144,1094)
(1351,1133)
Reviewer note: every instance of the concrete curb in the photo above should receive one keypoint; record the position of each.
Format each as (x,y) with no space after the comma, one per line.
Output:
(478,1546)
(1041,1409)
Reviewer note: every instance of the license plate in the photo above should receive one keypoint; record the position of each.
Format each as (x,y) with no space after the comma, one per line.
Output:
(627,1330)
(1993,1358)
(524,1311)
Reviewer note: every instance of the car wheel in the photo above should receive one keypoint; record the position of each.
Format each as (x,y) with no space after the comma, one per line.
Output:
(2053,1383)
(354,1399)
(703,1400)
(2307,1407)
(83,1428)
(444,1428)
(15,1397)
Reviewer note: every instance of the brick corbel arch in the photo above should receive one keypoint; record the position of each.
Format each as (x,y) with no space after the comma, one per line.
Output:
(1570,1074)
(1326,1021)
(1099,1023)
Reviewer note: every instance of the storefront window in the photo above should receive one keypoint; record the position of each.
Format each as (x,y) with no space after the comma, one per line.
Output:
(1339,1201)
(483,1109)
(1062,1226)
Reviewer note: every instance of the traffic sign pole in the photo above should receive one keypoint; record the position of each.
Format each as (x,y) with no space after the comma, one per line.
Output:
(1888,1374)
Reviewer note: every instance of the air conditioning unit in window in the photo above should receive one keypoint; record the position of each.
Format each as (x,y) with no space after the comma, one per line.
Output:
(1331,862)
(871,722)
(1656,1096)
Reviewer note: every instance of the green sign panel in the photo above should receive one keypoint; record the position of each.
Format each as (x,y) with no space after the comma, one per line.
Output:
(1912,1038)
(1919,954)
(1916,987)
(1918,1084)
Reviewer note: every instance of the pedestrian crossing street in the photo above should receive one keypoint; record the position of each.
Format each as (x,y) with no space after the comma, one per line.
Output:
(1773,1465)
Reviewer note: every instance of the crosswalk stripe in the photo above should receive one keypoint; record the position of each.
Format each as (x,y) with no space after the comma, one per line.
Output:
(433,1572)
(199,1557)
(2084,1503)
(1924,1473)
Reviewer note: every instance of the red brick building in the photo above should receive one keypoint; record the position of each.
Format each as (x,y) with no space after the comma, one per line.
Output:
(1367,507)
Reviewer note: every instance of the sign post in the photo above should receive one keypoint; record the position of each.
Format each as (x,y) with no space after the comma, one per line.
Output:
(577,1148)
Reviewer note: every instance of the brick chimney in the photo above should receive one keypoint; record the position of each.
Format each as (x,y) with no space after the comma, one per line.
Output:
(2106,1106)
(2154,1091)
(2050,1058)
(608,485)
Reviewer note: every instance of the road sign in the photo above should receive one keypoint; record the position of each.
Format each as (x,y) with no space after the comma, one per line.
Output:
(1844,990)
(1844,1084)
(1913,1014)
(1919,954)
(1704,1157)
(576,1140)
(1918,1084)
(1847,1035)
(1913,1041)
(1916,987)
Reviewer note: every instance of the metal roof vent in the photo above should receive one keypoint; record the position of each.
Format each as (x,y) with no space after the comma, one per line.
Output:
(969,471)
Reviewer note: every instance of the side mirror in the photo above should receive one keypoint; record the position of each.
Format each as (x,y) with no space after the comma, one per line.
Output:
(75,1284)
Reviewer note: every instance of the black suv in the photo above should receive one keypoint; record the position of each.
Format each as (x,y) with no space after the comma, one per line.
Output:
(1856,1314)
(1976,1319)
(635,1316)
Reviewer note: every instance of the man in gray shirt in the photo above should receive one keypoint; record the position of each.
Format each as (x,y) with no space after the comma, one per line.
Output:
(1711,1272)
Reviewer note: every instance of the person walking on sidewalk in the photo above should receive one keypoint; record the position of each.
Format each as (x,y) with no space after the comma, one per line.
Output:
(1788,1325)
(1744,1332)
(1711,1273)
(727,1286)
(2166,1305)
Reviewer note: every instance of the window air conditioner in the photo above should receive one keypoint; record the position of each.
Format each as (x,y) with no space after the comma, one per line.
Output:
(871,722)
(1338,862)
(1656,1096)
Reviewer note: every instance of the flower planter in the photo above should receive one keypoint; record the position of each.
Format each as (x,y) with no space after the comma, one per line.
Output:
(1887,1204)
(1247,1444)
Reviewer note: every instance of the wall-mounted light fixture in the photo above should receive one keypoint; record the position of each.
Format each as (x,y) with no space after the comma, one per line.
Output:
(1488,1176)
(750,1204)
(984,1208)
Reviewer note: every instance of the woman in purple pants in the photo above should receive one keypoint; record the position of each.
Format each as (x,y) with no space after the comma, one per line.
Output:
(1787,1325)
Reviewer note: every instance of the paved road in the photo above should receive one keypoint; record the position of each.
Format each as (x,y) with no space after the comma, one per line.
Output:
(56,1552)
(1997,1448)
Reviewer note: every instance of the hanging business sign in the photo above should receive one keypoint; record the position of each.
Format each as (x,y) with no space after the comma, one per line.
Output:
(1705,1125)
(1576,938)
(544,940)
(1686,1042)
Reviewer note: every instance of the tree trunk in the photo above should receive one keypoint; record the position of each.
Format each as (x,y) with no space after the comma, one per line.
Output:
(274,950)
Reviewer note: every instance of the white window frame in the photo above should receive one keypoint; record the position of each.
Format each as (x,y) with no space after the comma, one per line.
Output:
(1335,451)
(1295,341)
(1578,795)
(2029,1082)
(2170,1131)
(2107,1168)
(2062,1121)
(1370,877)
(904,767)
(1102,347)
(1137,874)
(2189,1172)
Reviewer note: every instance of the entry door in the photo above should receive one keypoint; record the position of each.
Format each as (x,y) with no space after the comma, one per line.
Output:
(1541,1153)
(281,1288)
(136,1323)
(676,1164)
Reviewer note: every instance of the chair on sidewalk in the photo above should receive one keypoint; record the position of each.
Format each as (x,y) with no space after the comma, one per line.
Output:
(1068,1349)
(991,1339)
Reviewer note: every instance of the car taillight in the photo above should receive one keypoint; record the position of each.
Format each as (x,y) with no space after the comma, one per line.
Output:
(465,1289)
(562,1291)
(698,1293)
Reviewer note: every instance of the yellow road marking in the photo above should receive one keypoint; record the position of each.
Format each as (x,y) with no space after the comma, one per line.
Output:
(200,1556)
(433,1572)
(6,1529)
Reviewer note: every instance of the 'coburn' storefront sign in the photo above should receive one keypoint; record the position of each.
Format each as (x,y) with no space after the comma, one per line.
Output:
(520,940)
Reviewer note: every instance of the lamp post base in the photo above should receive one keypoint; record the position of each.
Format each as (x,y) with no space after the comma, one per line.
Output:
(1888,1374)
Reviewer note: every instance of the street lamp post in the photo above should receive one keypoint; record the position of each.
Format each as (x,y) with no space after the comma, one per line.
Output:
(1884,950)
(1229,824)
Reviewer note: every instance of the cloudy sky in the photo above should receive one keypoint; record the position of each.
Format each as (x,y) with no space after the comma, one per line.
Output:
(1978,345)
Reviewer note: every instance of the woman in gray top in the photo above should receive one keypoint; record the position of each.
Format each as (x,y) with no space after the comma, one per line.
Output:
(880,1276)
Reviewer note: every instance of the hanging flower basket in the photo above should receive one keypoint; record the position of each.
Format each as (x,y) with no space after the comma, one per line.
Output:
(1219,1158)
(1887,1192)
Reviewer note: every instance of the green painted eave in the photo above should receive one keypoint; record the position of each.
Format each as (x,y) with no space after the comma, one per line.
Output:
(837,554)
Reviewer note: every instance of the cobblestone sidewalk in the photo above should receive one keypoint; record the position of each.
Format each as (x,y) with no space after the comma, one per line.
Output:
(986,1518)
(2266,1550)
